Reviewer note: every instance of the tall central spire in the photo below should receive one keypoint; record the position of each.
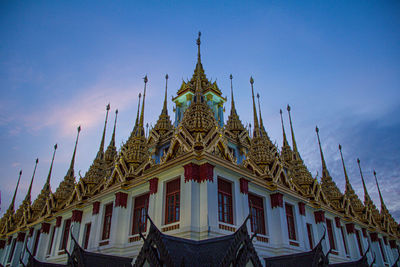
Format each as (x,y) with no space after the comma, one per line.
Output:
(165,109)
(198,49)
(366,195)
(101,149)
(292,131)
(259,111)
(383,206)
(348,186)
(233,108)
(141,120)
(256,131)
(285,142)
(138,114)
(51,167)
(71,167)
(324,168)
(11,208)
(28,195)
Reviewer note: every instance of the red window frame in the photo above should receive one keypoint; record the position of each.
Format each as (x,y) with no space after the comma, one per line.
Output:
(139,213)
(358,236)
(65,236)
(344,240)
(382,251)
(225,211)
(172,201)
(88,226)
(257,219)
(310,236)
(290,221)
(108,209)
(10,256)
(330,234)
(51,240)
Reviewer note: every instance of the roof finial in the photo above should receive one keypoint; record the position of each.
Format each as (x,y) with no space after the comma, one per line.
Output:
(28,195)
(380,194)
(141,121)
(101,149)
(15,193)
(259,111)
(324,168)
(51,167)
(285,142)
(292,131)
(366,195)
(233,109)
(112,142)
(137,115)
(198,48)
(344,169)
(165,110)
(256,126)
(71,167)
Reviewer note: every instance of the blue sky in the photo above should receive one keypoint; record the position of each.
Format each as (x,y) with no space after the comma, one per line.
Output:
(336,63)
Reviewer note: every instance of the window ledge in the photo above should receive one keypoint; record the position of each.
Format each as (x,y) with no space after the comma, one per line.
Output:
(294,243)
(104,242)
(226,227)
(170,227)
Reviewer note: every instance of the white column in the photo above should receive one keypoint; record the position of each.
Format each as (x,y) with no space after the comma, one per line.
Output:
(375,249)
(278,225)
(302,227)
(353,244)
(321,227)
(93,240)
(18,248)
(75,227)
(120,220)
(43,241)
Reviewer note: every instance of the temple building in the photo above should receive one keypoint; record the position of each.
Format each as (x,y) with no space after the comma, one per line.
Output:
(198,190)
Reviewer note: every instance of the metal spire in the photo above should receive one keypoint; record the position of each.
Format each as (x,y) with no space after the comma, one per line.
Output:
(256,125)
(383,206)
(345,172)
(71,167)
(112,142)
(366,195)
(51,167)
(233,109)
(101,149)
(165,109)
(291,130)
(28,195)
(142,112)
(285,142)
(324,168)
(137,115)
(15,193)
(259,111)
(198,49)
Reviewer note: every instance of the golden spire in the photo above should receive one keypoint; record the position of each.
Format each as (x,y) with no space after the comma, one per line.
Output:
(111,151)
(259,111)
(140,130)
(198,49)
(256,126)
(51,167)
(366,195)
(11,208)
(233,109)
(137,115)
(348,186)
(101,149)
(285,142)
(383,206)
(325,172)
(71,167)
(28,195)
(112,141)
(165,109)
(291,130)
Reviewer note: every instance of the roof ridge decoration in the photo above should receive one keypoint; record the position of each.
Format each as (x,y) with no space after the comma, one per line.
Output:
(67,186)
(350,197)
(328,186)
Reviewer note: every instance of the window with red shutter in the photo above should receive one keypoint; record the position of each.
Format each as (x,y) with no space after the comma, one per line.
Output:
(88,226)
(344,240)
(257,221)
(108,209)
(139,213)
(172,201)
(290,221)
(310,235)
(358,236)
(330,234)
(225,213)
(65,236)
(51,240)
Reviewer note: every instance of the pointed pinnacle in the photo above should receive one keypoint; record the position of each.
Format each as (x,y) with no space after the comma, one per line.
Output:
(28,195)
(101,149)
(366,195)
(143,101)
(324,168)
(165,110)
(112,141)
(71,167)
(259,111)
(285,142)
(198,48)
(51,167)
(292,131)
(383,206)
(137,115)
(15,192)
(233,109)
(256,126)
(344,169)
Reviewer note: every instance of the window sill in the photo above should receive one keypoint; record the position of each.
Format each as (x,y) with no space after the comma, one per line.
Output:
(104,242)
(334,252)
(226,227)
(135,238)
(262,238)
(294,243)
(170,227)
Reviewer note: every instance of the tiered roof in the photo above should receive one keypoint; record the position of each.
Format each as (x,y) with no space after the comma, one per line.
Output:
(198,135)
